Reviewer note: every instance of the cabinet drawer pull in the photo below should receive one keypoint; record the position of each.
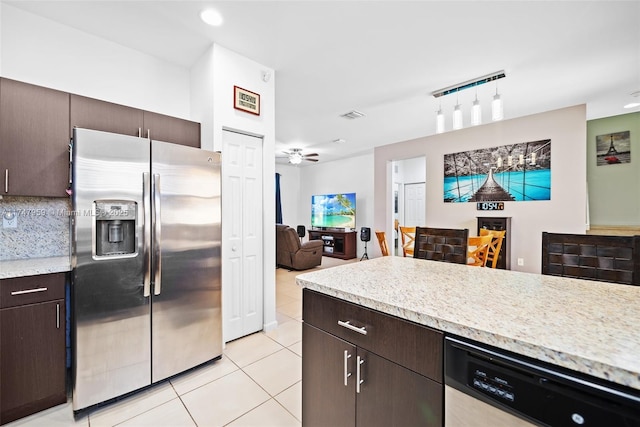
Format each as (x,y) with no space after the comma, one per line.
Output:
(347,374)
(28,291)
(348,325)
(6,180)
(359,379)
(57,316)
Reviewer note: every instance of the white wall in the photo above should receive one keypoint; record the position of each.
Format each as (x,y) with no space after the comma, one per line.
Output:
(351,175)
(213,77)
(42,52)
(565,212)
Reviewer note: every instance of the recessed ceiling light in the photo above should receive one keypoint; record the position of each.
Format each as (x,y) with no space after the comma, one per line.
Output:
(632,105)
(211,17)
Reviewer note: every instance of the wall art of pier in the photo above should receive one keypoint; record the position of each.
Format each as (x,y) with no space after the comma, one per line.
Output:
(517,172)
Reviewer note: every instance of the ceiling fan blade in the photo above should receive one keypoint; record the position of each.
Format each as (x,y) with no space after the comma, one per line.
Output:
(310,160)
(310,155)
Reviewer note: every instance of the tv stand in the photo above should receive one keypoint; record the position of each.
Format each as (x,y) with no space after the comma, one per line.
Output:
(337,244)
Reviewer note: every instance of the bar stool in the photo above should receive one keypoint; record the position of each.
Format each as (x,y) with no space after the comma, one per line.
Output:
(478,256)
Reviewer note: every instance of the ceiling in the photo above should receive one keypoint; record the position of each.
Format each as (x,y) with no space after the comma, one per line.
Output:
(385,58)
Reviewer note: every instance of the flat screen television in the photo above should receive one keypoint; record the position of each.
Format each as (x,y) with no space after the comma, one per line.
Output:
(333,210)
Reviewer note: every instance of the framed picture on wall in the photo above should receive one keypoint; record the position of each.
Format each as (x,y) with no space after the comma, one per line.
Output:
(516,172)
(246,100)
(613,148)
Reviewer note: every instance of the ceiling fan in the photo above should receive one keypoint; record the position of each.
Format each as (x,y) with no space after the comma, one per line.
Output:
(296,157)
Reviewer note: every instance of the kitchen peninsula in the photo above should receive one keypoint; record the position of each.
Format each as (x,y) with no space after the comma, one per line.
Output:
(584,326)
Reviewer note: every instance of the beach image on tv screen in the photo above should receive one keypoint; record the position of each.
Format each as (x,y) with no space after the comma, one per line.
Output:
(334,210)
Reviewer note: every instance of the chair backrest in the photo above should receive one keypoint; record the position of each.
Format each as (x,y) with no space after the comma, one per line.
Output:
(287,239)
(407,236)
(613,259)
(478,256)
(382,240)
(441,244)
(495,246)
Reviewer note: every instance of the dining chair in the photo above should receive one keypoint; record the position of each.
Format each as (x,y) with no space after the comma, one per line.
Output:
(480,252)
(441,244)
(495,246)
(614,259)
(407,236)
(382,240)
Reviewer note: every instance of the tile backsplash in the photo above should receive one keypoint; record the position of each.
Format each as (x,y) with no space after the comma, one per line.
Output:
(34,227)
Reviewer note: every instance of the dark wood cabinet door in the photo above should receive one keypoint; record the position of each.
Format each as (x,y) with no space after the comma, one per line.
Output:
(32,355)
(326,401)
(34,140)
(105,116)
(391,395)
(159,127)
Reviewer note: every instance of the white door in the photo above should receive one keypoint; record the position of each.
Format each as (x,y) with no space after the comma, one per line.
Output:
(242,257)
(414,204)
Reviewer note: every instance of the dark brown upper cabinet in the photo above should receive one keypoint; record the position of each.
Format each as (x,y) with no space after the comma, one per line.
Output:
(171,129)
(34,140)
(105,116)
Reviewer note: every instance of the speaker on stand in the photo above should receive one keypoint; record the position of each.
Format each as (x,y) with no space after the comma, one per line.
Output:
(301,232)
(365,236)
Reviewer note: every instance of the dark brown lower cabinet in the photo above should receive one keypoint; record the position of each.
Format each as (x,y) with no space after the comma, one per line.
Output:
(326,399)
(351,384)
(32,355)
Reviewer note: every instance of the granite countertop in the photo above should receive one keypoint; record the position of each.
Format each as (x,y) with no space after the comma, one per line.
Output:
(587,326)
(33,266)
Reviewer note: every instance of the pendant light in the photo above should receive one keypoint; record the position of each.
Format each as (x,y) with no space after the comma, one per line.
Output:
(497,109)
(457,116)
(476,112)
(439,120)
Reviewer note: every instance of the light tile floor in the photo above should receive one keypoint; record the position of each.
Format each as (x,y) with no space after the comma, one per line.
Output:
(256,383)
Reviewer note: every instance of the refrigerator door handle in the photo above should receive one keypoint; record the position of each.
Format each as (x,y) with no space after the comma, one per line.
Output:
(157,238)
(146,244)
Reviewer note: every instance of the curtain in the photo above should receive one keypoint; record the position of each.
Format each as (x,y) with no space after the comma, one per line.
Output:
(278,202)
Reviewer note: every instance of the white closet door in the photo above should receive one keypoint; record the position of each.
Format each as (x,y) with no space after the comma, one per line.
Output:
(242,257)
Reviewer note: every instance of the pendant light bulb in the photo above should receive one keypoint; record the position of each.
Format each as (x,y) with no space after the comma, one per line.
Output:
(439,120)
(476,112)
(457,116)
(497,108)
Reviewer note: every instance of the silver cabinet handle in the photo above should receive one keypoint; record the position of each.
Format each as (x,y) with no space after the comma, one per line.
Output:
(146,244)
(29,291)
(139,132)
(157,238)
(57,316)
(359,379)
(6,180)
(148,133)
(348,325)
(347,374)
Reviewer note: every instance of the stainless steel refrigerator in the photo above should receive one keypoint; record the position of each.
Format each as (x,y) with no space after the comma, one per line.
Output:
(146,277)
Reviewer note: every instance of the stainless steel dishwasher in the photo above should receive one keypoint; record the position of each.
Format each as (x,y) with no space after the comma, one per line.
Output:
(485,386)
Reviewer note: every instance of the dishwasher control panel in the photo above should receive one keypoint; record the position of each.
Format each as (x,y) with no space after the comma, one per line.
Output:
(491,383)
(535,391)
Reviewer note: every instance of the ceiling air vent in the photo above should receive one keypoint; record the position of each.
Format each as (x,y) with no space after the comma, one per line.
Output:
(355,114)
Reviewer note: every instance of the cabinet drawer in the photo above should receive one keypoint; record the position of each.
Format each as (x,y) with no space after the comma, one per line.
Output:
(408,344)
(31,289)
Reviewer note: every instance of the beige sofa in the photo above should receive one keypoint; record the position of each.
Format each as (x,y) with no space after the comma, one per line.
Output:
(292,254)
